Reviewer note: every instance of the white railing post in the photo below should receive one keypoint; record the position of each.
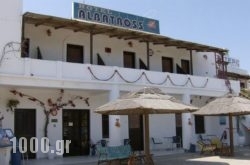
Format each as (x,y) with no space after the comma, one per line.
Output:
(116,76)
(143,79)
(59,69)
(27,66)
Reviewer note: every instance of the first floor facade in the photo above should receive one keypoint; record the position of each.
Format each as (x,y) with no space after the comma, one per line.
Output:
(83,127)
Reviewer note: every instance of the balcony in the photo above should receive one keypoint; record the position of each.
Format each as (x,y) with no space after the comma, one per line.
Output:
(58,74)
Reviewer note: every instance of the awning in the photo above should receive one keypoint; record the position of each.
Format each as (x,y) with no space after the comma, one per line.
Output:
(111,31)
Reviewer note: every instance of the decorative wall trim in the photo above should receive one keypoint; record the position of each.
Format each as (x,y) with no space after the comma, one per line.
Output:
(168,77)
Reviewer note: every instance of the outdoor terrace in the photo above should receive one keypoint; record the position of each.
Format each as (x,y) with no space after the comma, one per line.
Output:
(177,157)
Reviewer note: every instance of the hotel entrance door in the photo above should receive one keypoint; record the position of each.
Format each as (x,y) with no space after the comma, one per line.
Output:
(136,132)
(76,129)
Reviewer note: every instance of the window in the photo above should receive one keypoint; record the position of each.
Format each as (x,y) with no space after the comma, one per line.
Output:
(167,64)
(242,85)
(74,53)
(185,66)
(129,59)
(105,126)
(199,124)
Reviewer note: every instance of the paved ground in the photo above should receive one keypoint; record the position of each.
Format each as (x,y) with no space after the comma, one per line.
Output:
(196,159)
(242,157)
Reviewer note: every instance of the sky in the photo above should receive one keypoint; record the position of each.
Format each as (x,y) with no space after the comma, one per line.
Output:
(220,23)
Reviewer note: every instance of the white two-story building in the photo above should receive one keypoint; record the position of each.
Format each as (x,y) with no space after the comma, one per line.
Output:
(100,56)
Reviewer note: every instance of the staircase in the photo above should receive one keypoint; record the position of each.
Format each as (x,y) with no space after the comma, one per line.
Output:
(245,123)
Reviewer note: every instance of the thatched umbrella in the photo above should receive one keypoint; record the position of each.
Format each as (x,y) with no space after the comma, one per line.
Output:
(228,105)
(144,102)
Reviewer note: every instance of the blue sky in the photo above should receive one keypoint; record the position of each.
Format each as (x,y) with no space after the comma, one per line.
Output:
(221,23)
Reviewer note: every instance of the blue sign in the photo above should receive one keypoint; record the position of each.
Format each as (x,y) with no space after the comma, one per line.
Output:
(114,18)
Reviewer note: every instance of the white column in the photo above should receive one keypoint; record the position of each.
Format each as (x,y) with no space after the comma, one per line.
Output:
(186,127)
(114,131)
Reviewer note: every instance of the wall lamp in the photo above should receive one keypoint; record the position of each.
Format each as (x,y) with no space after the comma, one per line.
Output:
(117,123)
(48,31)
(130,44)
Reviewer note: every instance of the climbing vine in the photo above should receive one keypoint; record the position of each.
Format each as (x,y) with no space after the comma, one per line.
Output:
(51,107)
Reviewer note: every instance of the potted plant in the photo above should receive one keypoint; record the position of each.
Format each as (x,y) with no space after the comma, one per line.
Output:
(12,104)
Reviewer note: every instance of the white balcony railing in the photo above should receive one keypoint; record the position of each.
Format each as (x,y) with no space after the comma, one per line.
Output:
(59,70)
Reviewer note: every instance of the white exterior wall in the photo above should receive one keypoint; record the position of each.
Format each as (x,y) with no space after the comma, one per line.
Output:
(34,77)
(204,64)
(172,52)
(212,123)
(54,47)
(160,125)
(118,46)
(10,22)
(54,129)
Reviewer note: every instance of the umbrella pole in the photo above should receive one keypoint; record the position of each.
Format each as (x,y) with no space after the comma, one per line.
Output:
(149,159)
(231,134)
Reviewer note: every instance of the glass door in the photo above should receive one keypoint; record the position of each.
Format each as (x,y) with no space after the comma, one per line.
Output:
(76,129)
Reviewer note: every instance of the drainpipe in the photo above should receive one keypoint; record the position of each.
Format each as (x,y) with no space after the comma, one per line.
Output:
(191,62)
(91,47)
(148,62)
(22,35)
(231,135)
(215,61)
(223,66)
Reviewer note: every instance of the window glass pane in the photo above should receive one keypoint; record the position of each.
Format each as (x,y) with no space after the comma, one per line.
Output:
(185,66)
(105,126)
(167,64)
(199,124)
(129,59)
(74,53)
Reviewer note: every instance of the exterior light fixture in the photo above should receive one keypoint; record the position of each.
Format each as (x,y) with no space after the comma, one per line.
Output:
(130,44)
(48,31)
(117,123)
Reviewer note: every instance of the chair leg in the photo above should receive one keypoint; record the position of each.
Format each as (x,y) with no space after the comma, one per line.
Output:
(201,151)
